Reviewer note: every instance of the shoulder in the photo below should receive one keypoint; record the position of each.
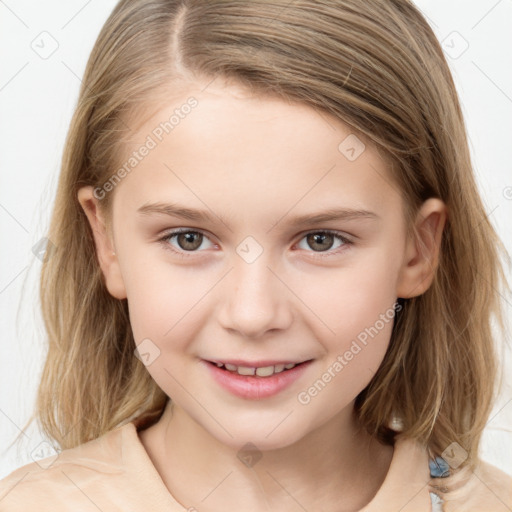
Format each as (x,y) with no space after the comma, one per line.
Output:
(59,479)
(487,488)
(492,488)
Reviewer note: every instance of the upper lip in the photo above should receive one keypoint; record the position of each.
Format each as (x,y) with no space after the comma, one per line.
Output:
(255,364)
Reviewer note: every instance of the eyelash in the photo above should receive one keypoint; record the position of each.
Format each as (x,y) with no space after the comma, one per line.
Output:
(183,254)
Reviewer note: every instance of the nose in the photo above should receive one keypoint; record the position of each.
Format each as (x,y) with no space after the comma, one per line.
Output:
(255,300)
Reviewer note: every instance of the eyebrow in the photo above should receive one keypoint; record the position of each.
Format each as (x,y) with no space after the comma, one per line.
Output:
(330,214)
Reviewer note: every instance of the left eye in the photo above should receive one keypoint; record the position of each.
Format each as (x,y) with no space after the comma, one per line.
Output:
(190,240)
(324,240)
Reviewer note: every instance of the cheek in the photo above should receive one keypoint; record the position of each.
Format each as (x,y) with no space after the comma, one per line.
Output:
(163,300)
(166,309)
(355,304)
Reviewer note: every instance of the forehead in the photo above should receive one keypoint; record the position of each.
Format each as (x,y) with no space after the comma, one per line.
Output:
(225,148)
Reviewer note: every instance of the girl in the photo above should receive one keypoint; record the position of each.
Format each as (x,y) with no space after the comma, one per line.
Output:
(273,278)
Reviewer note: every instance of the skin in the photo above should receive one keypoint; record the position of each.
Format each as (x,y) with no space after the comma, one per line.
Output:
(258,162)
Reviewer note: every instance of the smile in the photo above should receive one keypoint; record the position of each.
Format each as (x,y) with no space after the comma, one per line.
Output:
(261,371)
(255,382)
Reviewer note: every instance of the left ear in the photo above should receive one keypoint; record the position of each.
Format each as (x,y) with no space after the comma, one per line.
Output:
(422,251)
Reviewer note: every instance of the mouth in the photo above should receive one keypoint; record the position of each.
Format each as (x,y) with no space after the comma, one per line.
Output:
(255,380)
(262,369)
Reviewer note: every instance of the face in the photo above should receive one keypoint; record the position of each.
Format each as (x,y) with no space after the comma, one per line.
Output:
(255,276)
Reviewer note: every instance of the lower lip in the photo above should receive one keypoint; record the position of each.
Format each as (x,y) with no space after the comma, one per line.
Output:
(255,388)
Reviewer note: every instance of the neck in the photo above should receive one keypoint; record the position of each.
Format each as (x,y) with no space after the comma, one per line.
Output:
(336,467)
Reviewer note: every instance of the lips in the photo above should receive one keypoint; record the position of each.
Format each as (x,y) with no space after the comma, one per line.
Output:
(254,387)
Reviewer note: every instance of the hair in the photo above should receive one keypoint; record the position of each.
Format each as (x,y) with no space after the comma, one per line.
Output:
(374,65)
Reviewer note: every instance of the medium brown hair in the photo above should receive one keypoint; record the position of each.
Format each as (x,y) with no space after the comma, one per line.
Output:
(374,65)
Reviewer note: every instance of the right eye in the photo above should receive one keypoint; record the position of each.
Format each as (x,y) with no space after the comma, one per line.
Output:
(187,240)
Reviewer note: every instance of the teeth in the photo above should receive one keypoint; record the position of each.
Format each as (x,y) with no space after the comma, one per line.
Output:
(264,371)
(245,370)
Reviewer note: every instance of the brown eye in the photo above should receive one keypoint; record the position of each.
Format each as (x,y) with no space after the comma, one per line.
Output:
(184,240)
(324,241)
(320,241)
(189,241)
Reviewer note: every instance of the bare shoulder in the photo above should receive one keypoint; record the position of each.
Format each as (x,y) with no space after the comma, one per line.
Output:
(488,489)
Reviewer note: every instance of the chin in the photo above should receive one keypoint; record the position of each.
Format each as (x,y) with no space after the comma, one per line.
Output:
(262,437)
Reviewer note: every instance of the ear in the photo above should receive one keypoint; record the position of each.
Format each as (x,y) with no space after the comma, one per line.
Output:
(422,251)
(105,249)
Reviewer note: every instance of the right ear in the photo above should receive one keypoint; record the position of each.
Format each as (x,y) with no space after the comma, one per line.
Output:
(105,249)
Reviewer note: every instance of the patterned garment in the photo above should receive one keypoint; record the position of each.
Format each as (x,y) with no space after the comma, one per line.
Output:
(439,468)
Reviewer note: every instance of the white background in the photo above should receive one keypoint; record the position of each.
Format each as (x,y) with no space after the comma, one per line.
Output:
(37,97)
